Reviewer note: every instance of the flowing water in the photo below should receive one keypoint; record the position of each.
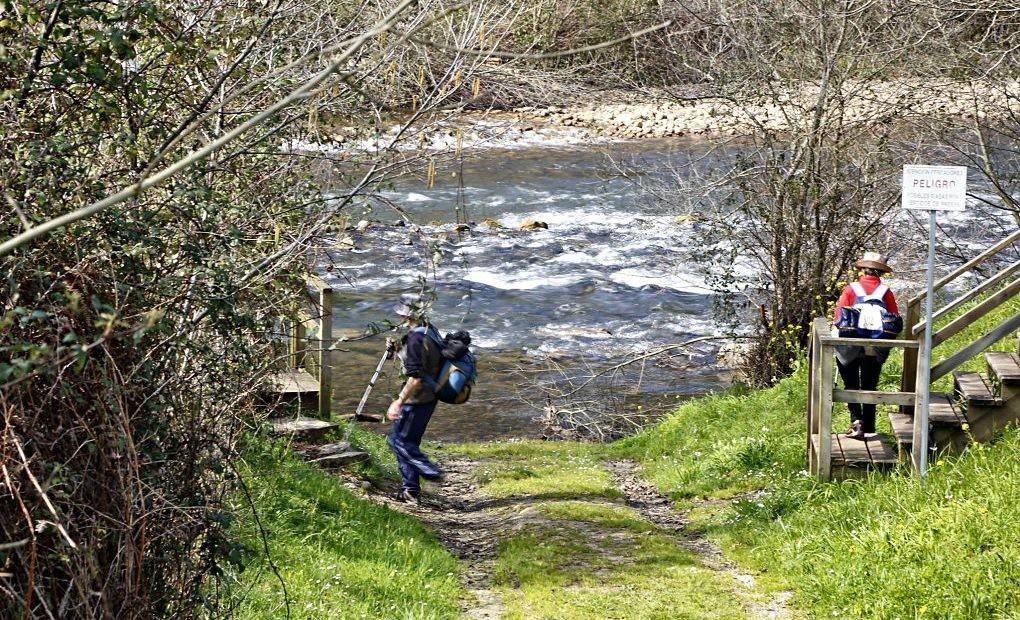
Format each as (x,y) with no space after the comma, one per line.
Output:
(604,282)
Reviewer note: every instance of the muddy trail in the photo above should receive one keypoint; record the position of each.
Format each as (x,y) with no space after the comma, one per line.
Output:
(473,524)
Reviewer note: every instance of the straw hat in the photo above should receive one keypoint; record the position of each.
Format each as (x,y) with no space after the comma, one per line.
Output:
(410,306)
(873,260)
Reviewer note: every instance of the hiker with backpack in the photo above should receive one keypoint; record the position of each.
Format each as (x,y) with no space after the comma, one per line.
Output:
(435,369)
(865,309)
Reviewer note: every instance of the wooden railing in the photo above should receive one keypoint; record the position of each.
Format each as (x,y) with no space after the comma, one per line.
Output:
(822,393)
(311,340)
(822,345)
(915,325)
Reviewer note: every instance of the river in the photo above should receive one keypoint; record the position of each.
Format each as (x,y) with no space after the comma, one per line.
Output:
(603,283)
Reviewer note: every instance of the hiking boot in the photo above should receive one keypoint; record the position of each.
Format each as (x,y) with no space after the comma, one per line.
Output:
(408,496)
(856,431)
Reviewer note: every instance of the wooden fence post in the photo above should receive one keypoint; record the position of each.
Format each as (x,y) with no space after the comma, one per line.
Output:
(825,384)
(297,343)
(908,380)
(325,344)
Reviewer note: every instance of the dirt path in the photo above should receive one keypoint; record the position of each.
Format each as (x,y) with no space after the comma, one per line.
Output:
(659,510)
(470,525)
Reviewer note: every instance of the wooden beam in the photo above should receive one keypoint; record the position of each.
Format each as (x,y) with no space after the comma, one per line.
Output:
(325,344)
(871,397)
(908,380)
(825,379)
(918,326)
(949,364)
(969,317)
(881,343)
(297,344)
(972,263)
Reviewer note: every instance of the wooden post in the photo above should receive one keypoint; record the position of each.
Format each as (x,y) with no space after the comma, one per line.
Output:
(825,384)
(297,343)
(814,363)
(325,343)
(918,429)
(908,380)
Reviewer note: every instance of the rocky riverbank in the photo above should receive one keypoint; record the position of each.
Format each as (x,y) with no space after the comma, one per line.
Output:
(660,114)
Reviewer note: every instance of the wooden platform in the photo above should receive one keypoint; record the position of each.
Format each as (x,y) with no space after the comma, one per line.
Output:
(877,451)
(294,383)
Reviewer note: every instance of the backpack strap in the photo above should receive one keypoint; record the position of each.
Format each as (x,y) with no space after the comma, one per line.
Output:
(879,292)
(858,291)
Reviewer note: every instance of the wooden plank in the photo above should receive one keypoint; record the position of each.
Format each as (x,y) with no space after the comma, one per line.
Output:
(318,283)
(974,262)
(297,344)
(944,410)
(826,384)
(1004,365)
(873,397)
(908,380)
(962,299)
(880,343)
(998,333)
(969,317)
(325,344)
(903,427)
(295,382)
(876,450)
(973,388)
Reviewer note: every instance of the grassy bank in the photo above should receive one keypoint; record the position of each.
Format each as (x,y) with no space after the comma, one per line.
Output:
(883,547)
(340,556)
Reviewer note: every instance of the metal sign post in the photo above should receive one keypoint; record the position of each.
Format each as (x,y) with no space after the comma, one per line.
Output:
(931,189)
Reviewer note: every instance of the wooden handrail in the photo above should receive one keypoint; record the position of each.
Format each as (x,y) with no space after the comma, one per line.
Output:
(873,397)
(970,294)
(968,318)
(972,263)
(880,343)
(997,333)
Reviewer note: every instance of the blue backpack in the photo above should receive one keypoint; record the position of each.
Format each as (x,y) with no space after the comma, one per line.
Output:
(458,372)
(868,317)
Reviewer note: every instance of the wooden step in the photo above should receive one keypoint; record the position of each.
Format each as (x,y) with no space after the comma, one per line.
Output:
(974,388)
(294,383)
(877,451)
(1004,366)
(903,428)
(944,409)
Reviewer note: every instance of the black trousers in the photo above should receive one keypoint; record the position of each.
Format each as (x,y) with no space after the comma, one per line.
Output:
(861,374)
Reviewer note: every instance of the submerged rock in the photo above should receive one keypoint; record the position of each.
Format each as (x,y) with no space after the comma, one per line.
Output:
(530,224)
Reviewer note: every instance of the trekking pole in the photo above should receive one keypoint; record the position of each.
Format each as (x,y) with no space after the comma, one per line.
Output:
(368,390)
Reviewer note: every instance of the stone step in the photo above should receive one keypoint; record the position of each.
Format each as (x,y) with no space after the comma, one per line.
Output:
(303,428)
(975,389)
(1004,366)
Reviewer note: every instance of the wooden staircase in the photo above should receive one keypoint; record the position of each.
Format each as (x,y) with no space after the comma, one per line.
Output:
(980,405)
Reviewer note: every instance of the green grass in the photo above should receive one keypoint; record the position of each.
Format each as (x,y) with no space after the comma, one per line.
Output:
(339,555)
(883,547)
(581,559)
(547,470)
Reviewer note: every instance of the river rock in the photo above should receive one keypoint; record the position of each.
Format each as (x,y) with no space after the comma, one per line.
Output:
(530,224)
(362,226)
(462,228)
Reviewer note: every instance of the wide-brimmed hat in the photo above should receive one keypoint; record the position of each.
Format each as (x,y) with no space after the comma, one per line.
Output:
(873,260)
(410,306)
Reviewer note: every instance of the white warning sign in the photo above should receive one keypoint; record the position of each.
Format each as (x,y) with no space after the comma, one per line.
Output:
(935,188)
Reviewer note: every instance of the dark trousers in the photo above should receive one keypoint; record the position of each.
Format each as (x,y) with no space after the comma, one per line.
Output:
(861,374)
(405,441)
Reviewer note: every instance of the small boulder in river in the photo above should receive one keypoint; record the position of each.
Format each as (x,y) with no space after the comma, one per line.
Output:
(462,228)
(362,226)
(530,224)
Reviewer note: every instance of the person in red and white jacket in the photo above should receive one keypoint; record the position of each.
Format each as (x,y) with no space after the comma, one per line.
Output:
(860,367)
